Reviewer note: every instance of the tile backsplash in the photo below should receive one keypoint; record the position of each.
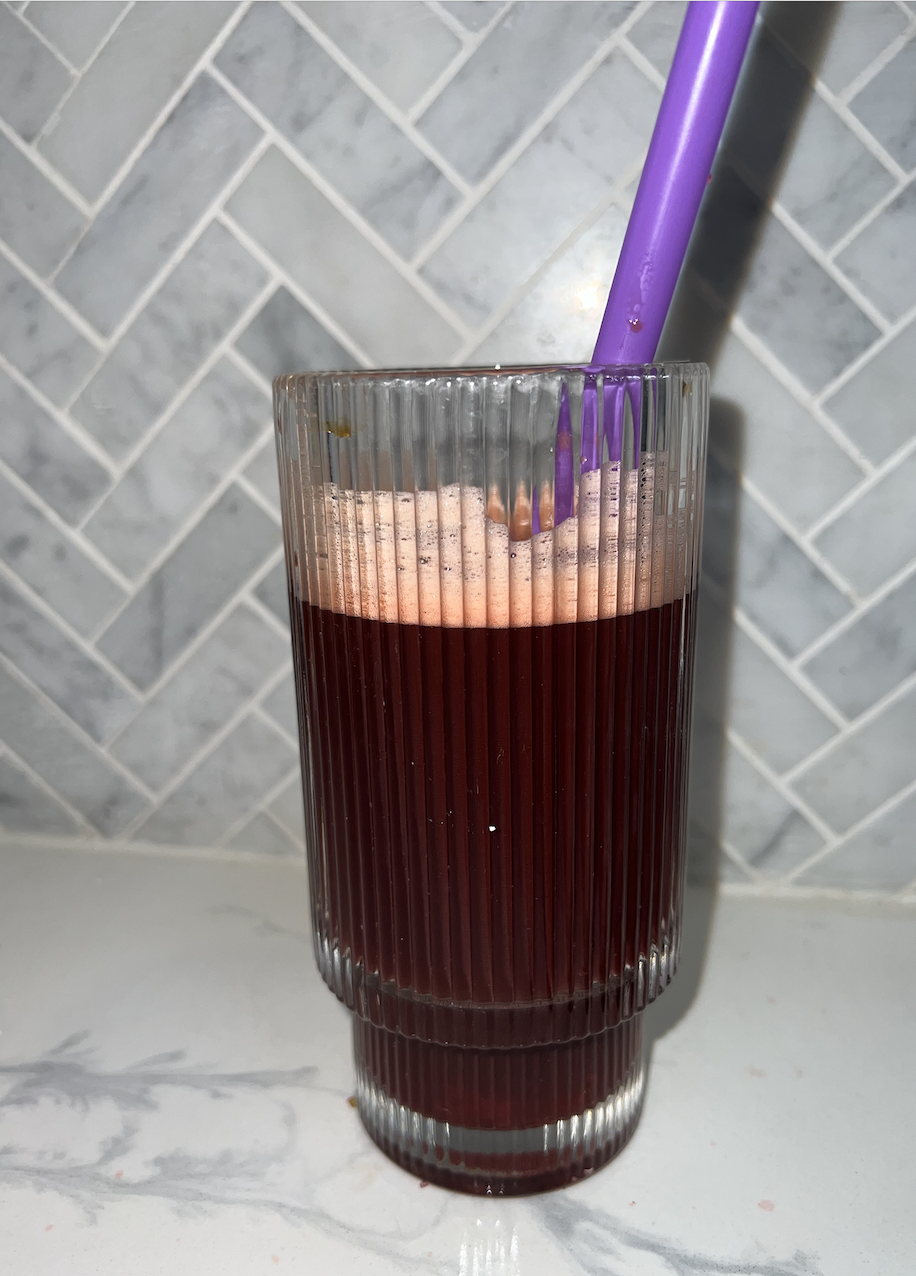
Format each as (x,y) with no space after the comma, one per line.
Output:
(197,196)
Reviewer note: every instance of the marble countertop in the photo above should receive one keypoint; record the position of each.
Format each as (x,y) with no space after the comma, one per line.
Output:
(175,1083)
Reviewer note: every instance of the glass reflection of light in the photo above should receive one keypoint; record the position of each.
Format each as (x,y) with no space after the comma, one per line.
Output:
(490,1251)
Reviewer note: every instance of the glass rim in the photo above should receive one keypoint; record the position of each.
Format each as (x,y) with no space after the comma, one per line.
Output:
(668,367)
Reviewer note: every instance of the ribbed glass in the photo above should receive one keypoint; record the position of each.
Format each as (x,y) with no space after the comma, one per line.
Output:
(492,578)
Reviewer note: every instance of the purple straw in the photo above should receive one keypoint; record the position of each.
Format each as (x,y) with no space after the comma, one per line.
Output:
(690,121)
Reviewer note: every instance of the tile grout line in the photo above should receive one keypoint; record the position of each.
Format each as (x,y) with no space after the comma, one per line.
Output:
(239,824)
(882,809)
(865,719)
(840,245)
(642,63)
(48,789)
(796,676)
(805,398)
(58,303)
(258,498)
(257,378)
(813,555)
(526,138)
(858,129)
(199,756)
(867,484)
(829,267)
(159,423)
(251,245)
(878,63)
(149,290)
(83,736)
(470,43)
(820,825)
(337,200)
(86,647)
(864,606)
(615,197)
(49,173)
(733,854)
(60,525)
(149,134)
(193,520)
(54,118)
(43,39)
(261,712)
(371,90)
(862,360)
(261,609)
(70,427)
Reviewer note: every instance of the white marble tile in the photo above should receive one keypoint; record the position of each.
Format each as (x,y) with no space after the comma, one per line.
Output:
(196,151)
(195,449)
(880,857)
(36,338)
(345,274)
(52,564)
(350,140)
(51,461)
(473,14)
(283,338)
(557,320)
(264,835)
(281,706)
(199,577)
(27,808)
(32,79)
(511,77)
(75,29)
(126,87)
(75,681)
(656,33)
(875,406)
(780,446)
(761,825)
(178,328)
(862,29)
(226,784)
(872,657)
(591,144)
(885,106)
(868,767)
(876,537)
(222,676)
(287,806)
(880,259)
(401,46)
(63,757)
(36,220)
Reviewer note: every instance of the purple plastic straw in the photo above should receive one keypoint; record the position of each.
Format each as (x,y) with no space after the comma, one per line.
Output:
(690,121)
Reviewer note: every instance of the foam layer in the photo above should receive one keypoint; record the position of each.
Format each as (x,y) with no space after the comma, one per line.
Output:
(447,558)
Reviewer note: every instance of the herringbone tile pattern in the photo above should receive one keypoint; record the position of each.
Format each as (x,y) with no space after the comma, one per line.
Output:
(196,196)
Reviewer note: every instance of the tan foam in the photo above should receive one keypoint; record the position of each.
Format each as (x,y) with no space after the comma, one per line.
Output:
(447,558)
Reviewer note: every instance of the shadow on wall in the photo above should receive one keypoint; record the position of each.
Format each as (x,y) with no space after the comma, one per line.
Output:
(773,91)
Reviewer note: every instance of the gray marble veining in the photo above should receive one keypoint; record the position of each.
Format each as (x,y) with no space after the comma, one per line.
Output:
(38,340)
(75,30)
(32,79)
(126,87)
(769,833)
(38,223)
(284,338)
(886,107)
(875,405)
(251,759)
(860,33)
(201,697)
(53,564)
(63,756)
(563,174)
(344,273)
(198,578)
(25,807)
(512,76)
(49,459)
(75,681)
(170,186)
(877,858)
(176,330)
(315,104)
(880,260)
(218,422)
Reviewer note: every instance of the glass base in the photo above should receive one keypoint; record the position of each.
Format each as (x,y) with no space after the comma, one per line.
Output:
(463,1118)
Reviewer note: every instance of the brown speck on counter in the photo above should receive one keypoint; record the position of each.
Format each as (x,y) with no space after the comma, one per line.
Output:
(352,1101)
(766,1205)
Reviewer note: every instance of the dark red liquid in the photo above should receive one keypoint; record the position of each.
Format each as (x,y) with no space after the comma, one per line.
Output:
(497,816)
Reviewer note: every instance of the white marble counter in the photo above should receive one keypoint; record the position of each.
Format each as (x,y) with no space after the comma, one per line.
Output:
(174,1085)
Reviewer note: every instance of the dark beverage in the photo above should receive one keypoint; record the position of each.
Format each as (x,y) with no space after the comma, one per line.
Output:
(498,822)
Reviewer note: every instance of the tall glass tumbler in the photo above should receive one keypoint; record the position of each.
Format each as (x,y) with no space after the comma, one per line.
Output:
(492,576)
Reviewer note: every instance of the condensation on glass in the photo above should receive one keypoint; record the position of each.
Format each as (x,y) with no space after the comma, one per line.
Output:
(492,577)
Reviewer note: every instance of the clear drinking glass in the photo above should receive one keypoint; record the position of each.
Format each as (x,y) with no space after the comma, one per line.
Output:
(492,576)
